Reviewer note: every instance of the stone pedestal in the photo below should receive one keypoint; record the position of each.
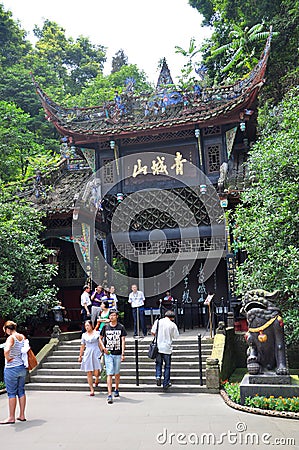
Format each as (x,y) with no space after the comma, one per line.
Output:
(212,373)
(267,384)
(230,320)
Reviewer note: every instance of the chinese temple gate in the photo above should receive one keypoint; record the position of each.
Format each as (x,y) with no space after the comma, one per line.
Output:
(157,172)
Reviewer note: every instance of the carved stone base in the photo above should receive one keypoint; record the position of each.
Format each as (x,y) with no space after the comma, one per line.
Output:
(249,389)
(269,378)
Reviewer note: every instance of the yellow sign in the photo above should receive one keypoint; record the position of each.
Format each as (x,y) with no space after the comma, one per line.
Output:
(159,167)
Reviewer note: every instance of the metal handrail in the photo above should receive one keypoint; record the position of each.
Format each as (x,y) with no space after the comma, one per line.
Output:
(136,362)
(200,359)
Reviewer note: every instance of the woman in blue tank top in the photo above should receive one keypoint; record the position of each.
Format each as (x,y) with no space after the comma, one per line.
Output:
(14,372)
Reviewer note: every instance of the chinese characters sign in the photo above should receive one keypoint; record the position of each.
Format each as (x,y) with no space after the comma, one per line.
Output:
(159,166)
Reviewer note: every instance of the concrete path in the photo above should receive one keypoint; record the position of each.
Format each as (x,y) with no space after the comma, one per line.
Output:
(75,421)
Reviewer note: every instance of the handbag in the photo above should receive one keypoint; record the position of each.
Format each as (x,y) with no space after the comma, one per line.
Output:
(32,361)
(153,347)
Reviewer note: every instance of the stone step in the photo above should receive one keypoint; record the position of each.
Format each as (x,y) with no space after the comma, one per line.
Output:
(101,391)
(131,351)
(124,372)
(61,369)
(143,344)
(67,365)
(125,379)
(141,358)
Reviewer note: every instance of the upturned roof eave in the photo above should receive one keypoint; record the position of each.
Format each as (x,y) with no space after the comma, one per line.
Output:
(223,115)
(84,129)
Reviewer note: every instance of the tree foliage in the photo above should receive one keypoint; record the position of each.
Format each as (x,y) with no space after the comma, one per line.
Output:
(103,88)
(25,279)
(241,51)
(225,15)
(119,60)
(20,152)
(267,221)
(13,40)
(76,62)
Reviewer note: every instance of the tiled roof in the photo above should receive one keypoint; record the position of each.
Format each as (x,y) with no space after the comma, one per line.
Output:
(129,114)
(59,194)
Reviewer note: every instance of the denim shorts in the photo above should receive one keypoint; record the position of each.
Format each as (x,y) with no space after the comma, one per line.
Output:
(112,363)
(14,379)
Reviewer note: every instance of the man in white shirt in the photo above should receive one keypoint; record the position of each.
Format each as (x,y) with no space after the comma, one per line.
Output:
(85,305)
(137,299)
(114,296)
(166,333)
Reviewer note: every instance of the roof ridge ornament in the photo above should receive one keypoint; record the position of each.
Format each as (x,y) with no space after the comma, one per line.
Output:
(165,77)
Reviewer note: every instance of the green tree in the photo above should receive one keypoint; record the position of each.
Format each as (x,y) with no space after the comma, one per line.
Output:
(241,51)
(283,15)
(76,62)
(267,221)
(13,40)
(19,148)
(187,72)
(119,60)
(104,86)
(26,289)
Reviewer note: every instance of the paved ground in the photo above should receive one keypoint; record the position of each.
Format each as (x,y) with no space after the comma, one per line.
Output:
(75,421)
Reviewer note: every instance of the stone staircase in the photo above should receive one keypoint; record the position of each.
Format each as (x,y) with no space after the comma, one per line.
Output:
(60,371)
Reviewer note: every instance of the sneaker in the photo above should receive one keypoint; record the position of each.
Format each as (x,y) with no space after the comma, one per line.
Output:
(158,381)
(116,393)
(167,386)
(109,399)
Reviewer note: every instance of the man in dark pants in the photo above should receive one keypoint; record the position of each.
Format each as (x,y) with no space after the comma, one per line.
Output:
(167,332)
(137,299)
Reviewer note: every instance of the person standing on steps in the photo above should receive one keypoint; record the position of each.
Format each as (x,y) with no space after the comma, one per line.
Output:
(90,355)
(108,297)
(167,332)
(14,372)
(114,296)
(137,299)
(96,300)
(113,344)
(85,305)
(104,316)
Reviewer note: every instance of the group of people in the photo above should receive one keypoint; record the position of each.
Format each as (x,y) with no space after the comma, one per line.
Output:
(103,340)
(94,306)
(108,342)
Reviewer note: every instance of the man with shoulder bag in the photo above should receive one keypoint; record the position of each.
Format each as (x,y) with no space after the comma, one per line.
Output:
(167,331)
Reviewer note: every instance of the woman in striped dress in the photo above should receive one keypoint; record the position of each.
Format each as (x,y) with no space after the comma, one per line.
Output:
(14,372)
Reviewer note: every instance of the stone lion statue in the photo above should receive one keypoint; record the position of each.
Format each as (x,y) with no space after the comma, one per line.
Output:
(265,336)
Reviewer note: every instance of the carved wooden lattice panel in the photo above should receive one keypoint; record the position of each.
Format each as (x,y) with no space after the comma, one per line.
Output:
(162,137)
(108,175)
(70,268)
(173,208)
(211,131)
(174,246)
(59,223)
(213,152)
